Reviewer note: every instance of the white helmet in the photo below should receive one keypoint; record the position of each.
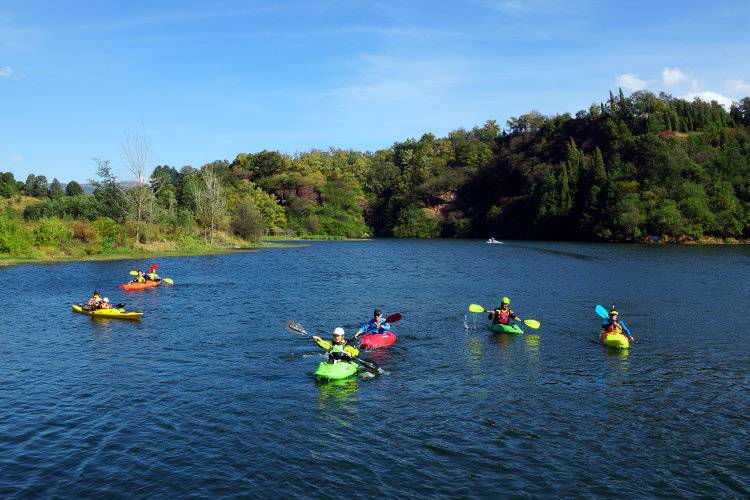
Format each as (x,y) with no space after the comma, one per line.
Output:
(105,299)
(339,331)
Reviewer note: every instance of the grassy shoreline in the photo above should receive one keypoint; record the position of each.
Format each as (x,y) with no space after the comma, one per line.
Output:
(142,254)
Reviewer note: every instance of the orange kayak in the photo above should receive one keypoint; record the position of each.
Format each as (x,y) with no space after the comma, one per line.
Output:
(140,286)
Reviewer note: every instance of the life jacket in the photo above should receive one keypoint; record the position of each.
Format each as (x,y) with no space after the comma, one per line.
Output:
(94,300)
(612,328)
(344,348)
(502,316)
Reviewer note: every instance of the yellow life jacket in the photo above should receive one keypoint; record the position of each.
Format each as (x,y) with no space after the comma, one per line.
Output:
(348,349)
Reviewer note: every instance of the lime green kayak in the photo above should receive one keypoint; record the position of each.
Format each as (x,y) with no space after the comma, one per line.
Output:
(334,371)
(616,340)
(513,329)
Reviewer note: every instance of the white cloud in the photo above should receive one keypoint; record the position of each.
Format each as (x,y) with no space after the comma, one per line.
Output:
(631,82)
(708,96)
(673,76)
(739,86)
(6,72)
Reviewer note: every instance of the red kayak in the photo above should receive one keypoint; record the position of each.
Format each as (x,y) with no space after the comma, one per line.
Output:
(140,286)
(377,340)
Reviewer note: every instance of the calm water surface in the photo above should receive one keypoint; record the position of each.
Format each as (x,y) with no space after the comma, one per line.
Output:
(209,396)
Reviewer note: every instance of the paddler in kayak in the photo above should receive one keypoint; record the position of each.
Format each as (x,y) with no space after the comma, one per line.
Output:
(151,273)
(104,304)
(93,302)
(376,325)
(503,314)
(612,325)
(337,348)
(141,278)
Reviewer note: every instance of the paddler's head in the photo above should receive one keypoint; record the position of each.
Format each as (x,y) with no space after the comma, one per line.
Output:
(613,315)
(377,314)
(96,294)
(504,302)
(338,335)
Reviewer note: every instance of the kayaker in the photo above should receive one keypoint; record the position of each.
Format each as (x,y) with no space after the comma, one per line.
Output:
(94,300)
(502,314)
(612,325)
(104,304)
(375,325)
(141,278)
(337,348)
(151,274)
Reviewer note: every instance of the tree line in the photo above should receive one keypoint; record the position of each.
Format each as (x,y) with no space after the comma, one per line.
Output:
(626,169)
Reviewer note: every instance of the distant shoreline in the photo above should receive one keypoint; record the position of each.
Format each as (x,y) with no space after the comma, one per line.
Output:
(139,255)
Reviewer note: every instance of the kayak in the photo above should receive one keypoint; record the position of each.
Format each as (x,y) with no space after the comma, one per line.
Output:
(140,286)
(335,371)
(377,340)
(513,329)
(617,340)
(108,313)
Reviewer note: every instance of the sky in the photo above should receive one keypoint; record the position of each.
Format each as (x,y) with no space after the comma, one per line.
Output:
(206,81)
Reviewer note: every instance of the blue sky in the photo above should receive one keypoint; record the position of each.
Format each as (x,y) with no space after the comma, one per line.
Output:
(208,80)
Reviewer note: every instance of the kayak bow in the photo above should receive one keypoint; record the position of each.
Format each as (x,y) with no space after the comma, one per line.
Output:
(513,329)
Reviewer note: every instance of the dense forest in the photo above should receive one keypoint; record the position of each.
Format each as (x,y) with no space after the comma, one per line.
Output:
(627,169)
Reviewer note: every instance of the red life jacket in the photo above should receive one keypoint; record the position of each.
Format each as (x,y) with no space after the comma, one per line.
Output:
(503,316)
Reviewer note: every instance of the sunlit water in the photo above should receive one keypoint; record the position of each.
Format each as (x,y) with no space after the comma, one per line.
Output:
(209,396)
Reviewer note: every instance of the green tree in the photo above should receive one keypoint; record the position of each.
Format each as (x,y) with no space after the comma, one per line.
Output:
(73,189)
(56,189)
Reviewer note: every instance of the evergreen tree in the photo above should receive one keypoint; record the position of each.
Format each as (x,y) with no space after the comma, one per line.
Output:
(56,189)
(73,189)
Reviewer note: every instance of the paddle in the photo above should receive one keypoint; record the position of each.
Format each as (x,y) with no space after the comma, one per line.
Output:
(294,327)
(531,323)
(604,314)
(168,281)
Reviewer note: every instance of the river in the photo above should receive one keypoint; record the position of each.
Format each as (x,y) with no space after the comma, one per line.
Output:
(209,396)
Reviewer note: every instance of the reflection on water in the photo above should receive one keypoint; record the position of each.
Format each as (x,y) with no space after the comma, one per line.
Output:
(617,358)
(532,344)
(336,395)
(503,340)
(475,347)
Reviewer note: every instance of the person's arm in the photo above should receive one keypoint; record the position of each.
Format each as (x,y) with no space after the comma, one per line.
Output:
(384,326)
(363,329)
(322,343)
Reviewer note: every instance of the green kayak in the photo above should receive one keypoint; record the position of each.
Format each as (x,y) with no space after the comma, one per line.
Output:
(513,329)
(334,371)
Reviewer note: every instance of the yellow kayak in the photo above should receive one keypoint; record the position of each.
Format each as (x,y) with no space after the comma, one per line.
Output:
(109,313)
(616,340)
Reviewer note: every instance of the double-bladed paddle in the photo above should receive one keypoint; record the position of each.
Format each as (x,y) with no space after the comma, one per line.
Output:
(531,323)
(297,328)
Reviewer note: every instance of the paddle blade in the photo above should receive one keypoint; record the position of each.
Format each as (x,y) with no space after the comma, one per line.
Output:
(134,273)
(370,366)
(168,281)
(532,323)
(393,318)
(294,327)
(476,308)
(601,311)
